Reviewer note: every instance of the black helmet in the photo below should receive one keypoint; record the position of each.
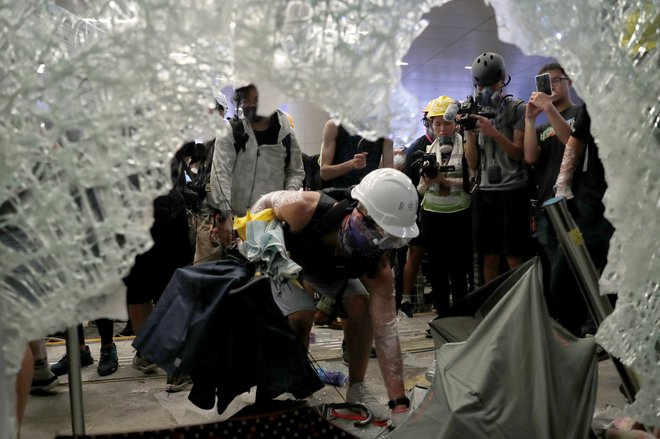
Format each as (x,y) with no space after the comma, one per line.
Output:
(488,68)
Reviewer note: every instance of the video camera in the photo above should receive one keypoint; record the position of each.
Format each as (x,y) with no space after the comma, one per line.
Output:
(462,111)
(428,165)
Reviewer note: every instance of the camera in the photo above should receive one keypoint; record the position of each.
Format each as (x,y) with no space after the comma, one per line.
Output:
(428,165)
(471,106)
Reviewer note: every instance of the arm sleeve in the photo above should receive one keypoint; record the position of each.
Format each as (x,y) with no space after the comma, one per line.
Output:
(295,172)
(222,170)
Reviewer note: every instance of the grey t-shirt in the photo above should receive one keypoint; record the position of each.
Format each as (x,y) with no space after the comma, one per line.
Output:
(513,172)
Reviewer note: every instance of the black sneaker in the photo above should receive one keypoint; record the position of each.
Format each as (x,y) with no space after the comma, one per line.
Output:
(108,363)
(407,309)
(127,331)
(62,366)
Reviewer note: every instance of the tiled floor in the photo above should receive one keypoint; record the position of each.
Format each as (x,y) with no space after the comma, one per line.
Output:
(131,401)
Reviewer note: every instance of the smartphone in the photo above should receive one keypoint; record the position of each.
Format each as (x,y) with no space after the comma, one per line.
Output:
(543,83)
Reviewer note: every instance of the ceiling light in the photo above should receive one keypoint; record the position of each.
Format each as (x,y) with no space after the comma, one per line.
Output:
(468,67)
(401,63)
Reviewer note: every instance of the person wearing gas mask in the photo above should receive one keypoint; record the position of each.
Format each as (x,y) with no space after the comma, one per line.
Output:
(341,240)
(445,208)
(257,156)
(546,151)
(494,132)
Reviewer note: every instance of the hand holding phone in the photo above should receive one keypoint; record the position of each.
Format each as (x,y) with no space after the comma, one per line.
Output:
(543,83)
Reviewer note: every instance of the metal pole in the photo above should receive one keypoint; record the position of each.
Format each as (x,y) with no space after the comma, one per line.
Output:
(572,242)
(75,382)
(7,409)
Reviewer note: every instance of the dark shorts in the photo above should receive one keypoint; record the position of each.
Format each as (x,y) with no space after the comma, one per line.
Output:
(501,222)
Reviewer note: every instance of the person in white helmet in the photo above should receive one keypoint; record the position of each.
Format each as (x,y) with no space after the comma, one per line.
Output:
(341,239)
(220,103)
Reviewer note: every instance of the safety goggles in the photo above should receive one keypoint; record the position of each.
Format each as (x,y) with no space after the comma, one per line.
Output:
(379,237)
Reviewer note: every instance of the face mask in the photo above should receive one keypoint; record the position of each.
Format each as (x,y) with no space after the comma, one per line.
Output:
(356,236)
(250,113)
(399,160)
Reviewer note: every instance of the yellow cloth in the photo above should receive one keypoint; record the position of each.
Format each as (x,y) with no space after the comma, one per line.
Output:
(240,223)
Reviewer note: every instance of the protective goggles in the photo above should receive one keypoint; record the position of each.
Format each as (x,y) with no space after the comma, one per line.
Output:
(367,237)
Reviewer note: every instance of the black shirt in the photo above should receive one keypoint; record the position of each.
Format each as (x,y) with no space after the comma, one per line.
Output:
(589,183)
(269,135)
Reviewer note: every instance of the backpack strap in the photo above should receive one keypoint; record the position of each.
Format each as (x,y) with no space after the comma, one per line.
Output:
(287,144)
(344,206)
(241,139)
(510,116)
(240,136)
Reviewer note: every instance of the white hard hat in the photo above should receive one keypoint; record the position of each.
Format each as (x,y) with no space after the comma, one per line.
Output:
(391,201)
(221,99)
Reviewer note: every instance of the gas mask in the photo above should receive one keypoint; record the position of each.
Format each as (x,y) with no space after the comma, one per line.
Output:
(250,113)
(447,140)
(489,99)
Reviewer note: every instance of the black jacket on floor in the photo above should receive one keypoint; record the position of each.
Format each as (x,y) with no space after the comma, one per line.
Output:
(228,335)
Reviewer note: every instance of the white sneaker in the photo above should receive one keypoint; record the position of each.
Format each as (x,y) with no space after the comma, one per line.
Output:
(359,392)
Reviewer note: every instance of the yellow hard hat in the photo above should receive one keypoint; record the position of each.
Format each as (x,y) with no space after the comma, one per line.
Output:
(428,106)
(439,106)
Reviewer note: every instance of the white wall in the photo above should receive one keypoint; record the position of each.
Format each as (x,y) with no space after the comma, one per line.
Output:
(309,121)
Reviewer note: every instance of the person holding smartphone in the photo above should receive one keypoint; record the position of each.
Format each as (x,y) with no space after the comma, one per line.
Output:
(545,150)
(494,150)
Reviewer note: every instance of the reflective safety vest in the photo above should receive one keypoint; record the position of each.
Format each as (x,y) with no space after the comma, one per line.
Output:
(436,199)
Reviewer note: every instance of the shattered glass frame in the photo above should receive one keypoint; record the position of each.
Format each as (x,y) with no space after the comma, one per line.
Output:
(95,101)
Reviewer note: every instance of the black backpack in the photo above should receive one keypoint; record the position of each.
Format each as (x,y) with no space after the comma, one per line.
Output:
(193,189)
(313,180)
